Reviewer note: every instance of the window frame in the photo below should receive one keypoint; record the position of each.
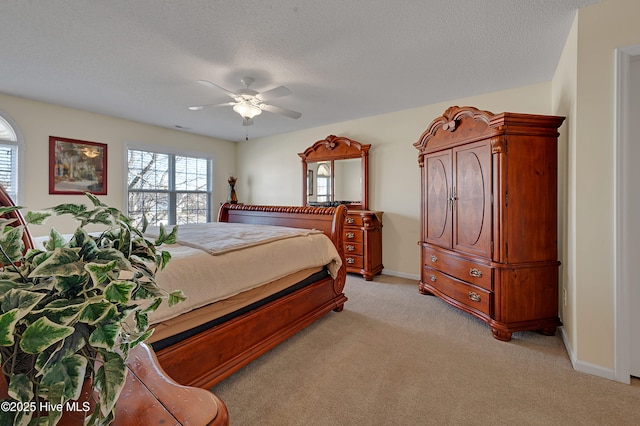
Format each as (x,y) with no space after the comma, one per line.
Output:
(163,150)
(17,195)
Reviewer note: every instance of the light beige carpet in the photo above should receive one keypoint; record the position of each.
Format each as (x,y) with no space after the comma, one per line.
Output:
(396,357)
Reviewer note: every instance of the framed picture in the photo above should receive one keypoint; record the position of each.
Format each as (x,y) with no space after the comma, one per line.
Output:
(309,182)
(76,167)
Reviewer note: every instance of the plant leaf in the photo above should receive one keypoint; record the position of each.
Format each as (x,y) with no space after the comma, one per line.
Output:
(12,244)
(109,380)
(8,209)
(71,282)
(68,346)
(55,240)
(7,326)
(96,312)
(63,262)
(142,321)
(176,296)
(36,218)
(42,334)
(20,388)
(119,291)
(100,272)
(62,314)
(105,335)
(165,257)
(69,371)
(24,300)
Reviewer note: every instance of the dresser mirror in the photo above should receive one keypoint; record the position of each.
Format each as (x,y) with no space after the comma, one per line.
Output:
(335,171)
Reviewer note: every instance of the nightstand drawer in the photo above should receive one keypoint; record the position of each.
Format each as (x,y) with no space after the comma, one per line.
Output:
(460,268)
(474,297)
(353,220)
(353,236)
(353,248)
(353,261)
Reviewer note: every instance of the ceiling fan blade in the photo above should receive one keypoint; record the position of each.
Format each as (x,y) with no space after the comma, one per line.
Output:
(282,111)
(276,92)
(247,121)
(199,107)
(215,86)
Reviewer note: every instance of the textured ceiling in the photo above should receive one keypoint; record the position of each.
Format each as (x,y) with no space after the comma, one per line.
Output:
(343,60)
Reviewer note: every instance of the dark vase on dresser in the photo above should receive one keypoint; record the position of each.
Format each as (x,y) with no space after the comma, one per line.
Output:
(489,217)
(343,164)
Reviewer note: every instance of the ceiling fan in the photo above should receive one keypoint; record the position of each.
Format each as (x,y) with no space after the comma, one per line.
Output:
(249,103)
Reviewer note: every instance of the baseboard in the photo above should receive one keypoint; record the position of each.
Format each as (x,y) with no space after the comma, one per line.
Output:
(401,274)
(582,366)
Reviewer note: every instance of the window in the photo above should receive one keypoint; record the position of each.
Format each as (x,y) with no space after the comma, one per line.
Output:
(169,188)
(9,159)
(323,182)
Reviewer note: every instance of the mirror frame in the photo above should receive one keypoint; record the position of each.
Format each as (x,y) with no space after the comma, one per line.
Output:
(334,148)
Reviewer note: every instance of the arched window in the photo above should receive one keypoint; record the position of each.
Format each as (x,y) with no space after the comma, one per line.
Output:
(323,182)
(9,158)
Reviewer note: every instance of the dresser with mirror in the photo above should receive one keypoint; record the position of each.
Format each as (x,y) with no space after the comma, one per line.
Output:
(335,171)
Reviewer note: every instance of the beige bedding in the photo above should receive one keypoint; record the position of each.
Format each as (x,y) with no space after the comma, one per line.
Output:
(238,266)
(207,278)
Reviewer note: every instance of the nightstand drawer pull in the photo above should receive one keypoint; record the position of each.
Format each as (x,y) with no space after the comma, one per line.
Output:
(434,278)
(474,296)
(350,260)
(350,220)
(351,247)
(476,273)
(351,235)
(434,258)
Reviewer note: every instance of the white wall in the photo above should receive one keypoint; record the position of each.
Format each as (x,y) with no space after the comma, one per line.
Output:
(38,121)
(271,171)
(584,86)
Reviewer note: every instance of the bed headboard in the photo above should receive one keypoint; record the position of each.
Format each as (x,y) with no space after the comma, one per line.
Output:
(325,219)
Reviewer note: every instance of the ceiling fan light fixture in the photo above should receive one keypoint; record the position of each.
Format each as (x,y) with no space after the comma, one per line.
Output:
(247,109)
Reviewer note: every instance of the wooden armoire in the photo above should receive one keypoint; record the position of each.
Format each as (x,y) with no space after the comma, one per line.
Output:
(489,217)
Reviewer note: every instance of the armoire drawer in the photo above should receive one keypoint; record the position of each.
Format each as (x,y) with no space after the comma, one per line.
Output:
(353,261)
(460,268)
(474,297)
(353,248)
(353,236)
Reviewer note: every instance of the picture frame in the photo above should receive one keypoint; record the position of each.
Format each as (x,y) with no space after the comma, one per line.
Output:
(77,166)
(309,182)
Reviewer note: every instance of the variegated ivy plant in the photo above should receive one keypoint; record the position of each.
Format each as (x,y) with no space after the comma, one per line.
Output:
(73,311)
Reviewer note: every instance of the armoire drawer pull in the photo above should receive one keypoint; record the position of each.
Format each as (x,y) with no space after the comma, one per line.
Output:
(474,296)
(350,260)
(351,247)
(351,235)
(476,273)
(434,278)
(434,258)
(350,220)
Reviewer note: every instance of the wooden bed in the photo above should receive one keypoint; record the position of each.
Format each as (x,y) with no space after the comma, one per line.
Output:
(209,356)
(167,381)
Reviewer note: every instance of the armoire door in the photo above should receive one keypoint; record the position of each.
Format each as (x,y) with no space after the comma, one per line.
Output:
(438,192)
(472,199)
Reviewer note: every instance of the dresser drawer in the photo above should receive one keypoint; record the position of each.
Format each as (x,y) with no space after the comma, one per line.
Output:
(474,297)
(460,268)
(353,236)
(353,248)
(353,261)
(353,220)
